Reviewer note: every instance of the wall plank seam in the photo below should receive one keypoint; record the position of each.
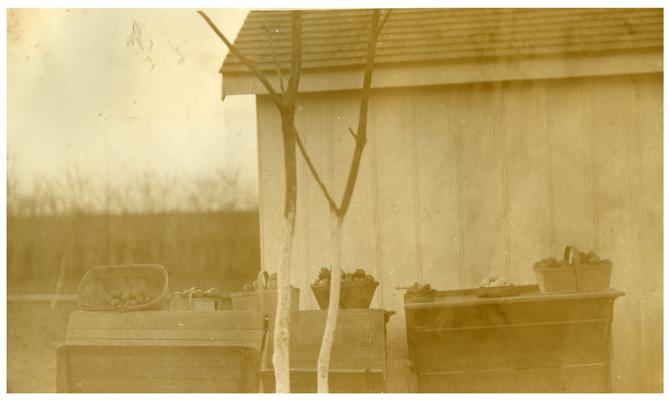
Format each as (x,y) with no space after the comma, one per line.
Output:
(375,200)
(548,169)
(415,188)
(307,207)
(500,135)
(461,239)
(634,191)
(261,203)
(591,172)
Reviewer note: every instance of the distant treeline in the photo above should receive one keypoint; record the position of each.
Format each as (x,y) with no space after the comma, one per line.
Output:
(198,249)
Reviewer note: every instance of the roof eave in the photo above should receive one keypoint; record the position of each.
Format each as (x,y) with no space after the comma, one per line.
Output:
(550,66)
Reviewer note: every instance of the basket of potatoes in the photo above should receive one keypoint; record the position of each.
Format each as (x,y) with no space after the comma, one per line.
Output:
(419,293)
(357,289)
(123,288)
(576,272)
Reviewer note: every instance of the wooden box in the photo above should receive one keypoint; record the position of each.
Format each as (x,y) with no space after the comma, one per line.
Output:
(532,342)
(250,300)
(161,351)
(358,362)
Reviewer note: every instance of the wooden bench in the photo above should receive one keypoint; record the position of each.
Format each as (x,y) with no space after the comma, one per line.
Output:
(532,342)
(161,351)
(358,361)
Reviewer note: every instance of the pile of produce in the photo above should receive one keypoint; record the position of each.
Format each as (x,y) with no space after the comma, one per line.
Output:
(418,288)
(347,278)
(197,293)
(495,281)
(120,300)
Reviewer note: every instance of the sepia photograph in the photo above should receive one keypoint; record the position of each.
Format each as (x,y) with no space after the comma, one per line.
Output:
(290,199)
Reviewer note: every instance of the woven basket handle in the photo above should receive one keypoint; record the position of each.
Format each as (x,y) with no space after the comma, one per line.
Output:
(577,263)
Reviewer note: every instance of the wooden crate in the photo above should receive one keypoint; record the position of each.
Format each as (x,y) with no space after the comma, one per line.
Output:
(161,351)
(528,343)
(358,362)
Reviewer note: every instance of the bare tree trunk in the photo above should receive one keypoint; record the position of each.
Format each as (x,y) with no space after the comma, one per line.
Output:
(281,356)
(333,308)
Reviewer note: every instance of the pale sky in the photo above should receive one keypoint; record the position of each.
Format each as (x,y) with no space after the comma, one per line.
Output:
(119,92)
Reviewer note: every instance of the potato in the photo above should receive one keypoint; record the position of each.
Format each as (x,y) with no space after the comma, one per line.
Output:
(485,282)
(594,259)
(132,302)
(198,293)
(115,302)
(324,282)
(369,278)
(324,273)
(359,273)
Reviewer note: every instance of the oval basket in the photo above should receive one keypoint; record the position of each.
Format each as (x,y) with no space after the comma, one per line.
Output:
(101,282)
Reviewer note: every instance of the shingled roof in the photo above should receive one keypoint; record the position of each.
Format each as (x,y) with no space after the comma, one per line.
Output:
(337,38)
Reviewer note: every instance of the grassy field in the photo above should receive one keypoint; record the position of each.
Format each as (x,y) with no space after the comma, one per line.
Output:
(34,330)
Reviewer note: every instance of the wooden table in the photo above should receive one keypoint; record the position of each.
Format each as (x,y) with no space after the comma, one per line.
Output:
(532,342)
(358,361)
(161,351)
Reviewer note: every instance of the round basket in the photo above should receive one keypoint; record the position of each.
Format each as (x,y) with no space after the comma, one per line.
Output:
(101,283)
(357,295)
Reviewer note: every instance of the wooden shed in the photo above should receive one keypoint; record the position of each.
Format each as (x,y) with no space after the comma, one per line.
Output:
(496,138)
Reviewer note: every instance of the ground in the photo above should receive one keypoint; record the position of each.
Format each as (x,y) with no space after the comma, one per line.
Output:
(34,330)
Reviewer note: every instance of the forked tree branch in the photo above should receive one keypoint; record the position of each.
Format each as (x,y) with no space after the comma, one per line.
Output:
(361,135)
(247,62)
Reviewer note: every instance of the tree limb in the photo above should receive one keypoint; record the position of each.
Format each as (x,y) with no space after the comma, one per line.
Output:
(314,173)
(361,134)
(279,74)
(247,62)
(290,96)
(383,21)
(352,133)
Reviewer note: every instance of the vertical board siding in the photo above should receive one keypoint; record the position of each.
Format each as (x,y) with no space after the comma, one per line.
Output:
(524,144)
(437,188)
(483,200)
(469,180)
